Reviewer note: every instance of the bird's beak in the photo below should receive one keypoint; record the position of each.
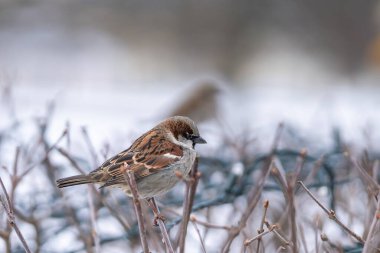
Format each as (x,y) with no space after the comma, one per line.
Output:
(199,140)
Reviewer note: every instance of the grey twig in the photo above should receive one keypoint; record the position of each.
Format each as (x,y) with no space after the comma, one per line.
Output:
(259,236)
(277,234)
(130,178)
(373,239)
(93,215)
(200,237)
(332,215)
(208,225)
(191,186)
(113,209)
(159,219)
(261,229)
(291,183)
(254,194)
(8,207)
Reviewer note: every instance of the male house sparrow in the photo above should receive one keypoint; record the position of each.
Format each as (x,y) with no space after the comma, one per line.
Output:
(154,158)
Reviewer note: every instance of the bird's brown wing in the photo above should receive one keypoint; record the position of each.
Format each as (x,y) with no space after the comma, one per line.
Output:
(149,154)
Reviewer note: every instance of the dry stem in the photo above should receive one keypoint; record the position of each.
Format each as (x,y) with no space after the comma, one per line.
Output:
(191,186)
(130,178)
(331,214)
(277,234)
(259,236)
(253,195)
(373,239)
(261,229)
(208,225)
(159,220)
(200,236)
(8,207)
(113,209)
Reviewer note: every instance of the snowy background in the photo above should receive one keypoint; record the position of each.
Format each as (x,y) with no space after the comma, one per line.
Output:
(119,67)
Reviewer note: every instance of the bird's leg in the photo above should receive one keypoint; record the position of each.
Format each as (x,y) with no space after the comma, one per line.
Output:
(157,215)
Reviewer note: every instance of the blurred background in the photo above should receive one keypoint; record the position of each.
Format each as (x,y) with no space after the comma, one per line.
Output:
(305,62)
(118,67)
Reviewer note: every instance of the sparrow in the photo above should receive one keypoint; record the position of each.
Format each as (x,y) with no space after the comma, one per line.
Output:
(200,103)
(155,158)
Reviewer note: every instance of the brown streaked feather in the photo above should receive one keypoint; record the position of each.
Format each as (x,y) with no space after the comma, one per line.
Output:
(146,156)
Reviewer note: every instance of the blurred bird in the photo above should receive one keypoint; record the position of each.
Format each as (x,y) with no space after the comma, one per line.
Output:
(200,104)
(374,52)
(155,158)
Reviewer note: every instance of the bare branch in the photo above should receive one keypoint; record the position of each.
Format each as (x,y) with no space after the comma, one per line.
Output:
(8,207)
(160,220)
(130,178)
(90,145)
(331,214)
(208,225)
(259,236)
(113,210)
(373,238)
(200,237)
(191,186)
(261,229)
(277,234)
(93,215)
(254,194)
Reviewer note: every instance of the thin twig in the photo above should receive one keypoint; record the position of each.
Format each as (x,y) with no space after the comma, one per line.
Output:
(90,145)
(44,158)
(74,221)
(316,167)
(261,229)
(290,191)
(8,207)
(252,202)
(93,216)
(159,219)
(332,215)
(303,239)
(36,223)
(113,209)
(254,194)
(373,240)
(191,186)
(367,179)
(259,236)
(200,237)
(130,178)
(277,234)
(279,249)
(208,225)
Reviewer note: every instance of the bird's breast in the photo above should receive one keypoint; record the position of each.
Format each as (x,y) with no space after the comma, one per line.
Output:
(186,162)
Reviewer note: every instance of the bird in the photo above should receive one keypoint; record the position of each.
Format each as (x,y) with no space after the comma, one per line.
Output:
(156,159)
(200,103)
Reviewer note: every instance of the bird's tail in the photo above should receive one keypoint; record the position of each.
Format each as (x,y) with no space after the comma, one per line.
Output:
(74,180)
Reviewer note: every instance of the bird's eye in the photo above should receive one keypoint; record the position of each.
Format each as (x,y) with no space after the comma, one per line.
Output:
(188,136)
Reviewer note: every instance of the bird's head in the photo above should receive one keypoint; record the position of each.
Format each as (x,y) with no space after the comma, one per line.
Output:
(183,130)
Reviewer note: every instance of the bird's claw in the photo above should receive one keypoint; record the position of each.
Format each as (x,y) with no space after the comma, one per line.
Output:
(158,217)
